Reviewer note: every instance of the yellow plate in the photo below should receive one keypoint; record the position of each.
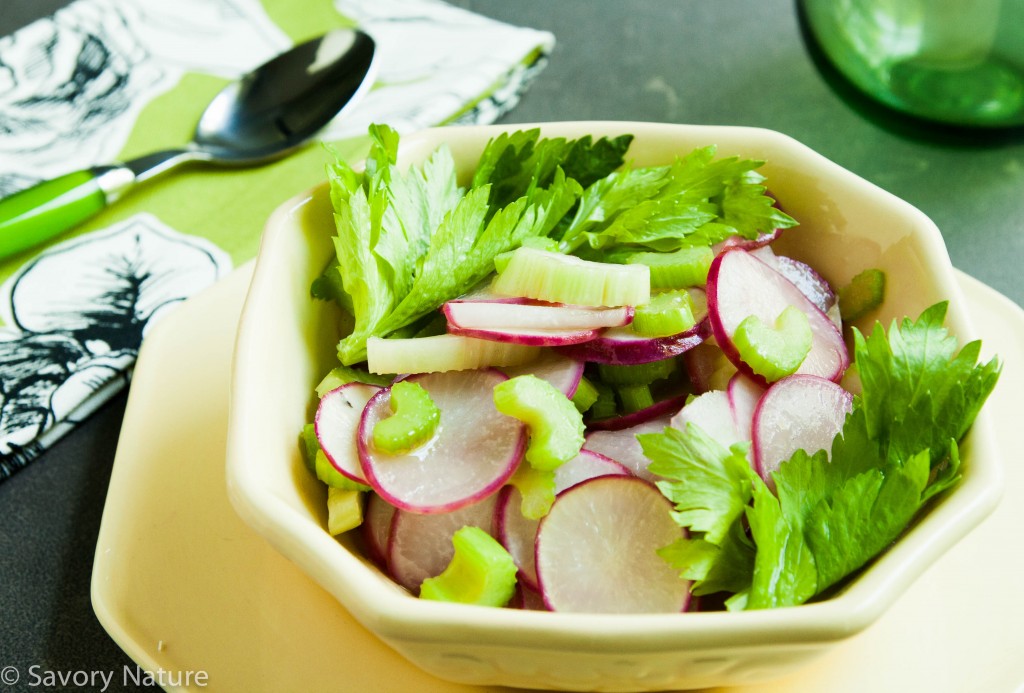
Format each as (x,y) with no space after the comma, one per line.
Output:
(183,586)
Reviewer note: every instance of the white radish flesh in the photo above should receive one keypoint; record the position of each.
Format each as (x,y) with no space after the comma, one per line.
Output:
(518,533)
(622,446)
(526,337)
(708,367)
(744,394)
(562,372)
(620,346)
(420,546)
(804,277)
(503,315)
(740,285)
(444,352)
(798,412)
(377,527)
(712,414)
(472,453)
(597,550)
(336,423)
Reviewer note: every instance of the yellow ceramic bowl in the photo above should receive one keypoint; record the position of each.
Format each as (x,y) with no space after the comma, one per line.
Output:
(286,343)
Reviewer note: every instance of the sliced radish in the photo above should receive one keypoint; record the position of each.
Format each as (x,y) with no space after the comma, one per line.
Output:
(804,277)
(712,414)
(597,550)
(336,424)
(668,406)
(518,533)
(744,394)
(528,600)
(798,412)
(708,367)
(621,347)
(740,285)
(443,352)
(526,337)
(622,446)
(514,315)
(762,239)
(473,452)
(561,371)
(377,527)
(420,546)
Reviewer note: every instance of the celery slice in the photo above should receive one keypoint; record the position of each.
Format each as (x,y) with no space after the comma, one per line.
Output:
(635,397)
(481,572)
(561,278)
(605,407)
(537,490)
(639,374)
(774,352)
(343,375)
(556,426)
(344,510)
(864,293)
(668,313)
(326,473)
(676,270)
(585,396)
(413,422)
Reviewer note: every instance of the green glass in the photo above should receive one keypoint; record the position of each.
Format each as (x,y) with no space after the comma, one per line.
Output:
(958,62)
(46,210)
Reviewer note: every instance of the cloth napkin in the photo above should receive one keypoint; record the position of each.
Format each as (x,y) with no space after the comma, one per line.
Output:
(105,80)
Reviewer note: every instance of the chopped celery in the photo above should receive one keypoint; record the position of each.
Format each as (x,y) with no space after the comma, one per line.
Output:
(481,572)
(585,396)
(344,510)
(326,473)
(309,446)
(556,427)
(343,375)
(536,242)
(567,279)
(635,397)
(864,293)
(774,352)
(537,489)
(668,313)
(676,270)
(605,407)
(413,422)
(639,374)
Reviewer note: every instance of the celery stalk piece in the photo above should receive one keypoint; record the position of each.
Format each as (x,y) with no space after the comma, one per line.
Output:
(585,396)
(481,572)
(678,269)
(413,422)
(344,510)
(668,313)
(537,489)
(864,293)
(639,374)
(775,352)
(556,426)
(561,278)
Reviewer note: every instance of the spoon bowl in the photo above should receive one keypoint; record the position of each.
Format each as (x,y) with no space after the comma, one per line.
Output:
(266,114)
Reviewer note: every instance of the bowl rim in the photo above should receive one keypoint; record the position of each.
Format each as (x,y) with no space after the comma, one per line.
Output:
(397,615)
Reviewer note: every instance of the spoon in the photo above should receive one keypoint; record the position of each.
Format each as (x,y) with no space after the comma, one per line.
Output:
(266,114)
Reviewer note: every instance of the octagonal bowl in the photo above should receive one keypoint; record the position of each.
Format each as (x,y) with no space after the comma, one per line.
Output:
(286,343)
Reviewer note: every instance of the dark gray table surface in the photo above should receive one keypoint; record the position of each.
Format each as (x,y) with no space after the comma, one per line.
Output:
(723,62)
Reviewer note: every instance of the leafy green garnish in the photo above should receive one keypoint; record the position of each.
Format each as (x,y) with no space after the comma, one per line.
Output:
(897,450)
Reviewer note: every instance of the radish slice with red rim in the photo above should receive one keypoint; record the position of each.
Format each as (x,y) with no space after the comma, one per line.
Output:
(744,394)
(622,446)
(515,315)
(377,527)
(420,546)
(597,550)
(712,414)
(804,277)
(798,412)
(740,285)
(666,406)
(472,453)
(527,337)
(562,372)
(620,346)
(708,367)
(336,423)
(518,533)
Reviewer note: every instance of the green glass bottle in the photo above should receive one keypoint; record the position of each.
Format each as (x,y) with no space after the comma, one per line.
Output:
(958,62)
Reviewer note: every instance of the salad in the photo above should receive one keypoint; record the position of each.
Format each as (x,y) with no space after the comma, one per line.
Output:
(574,384)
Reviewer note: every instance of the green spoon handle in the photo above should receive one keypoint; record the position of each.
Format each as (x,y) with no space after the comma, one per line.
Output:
(46,210)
